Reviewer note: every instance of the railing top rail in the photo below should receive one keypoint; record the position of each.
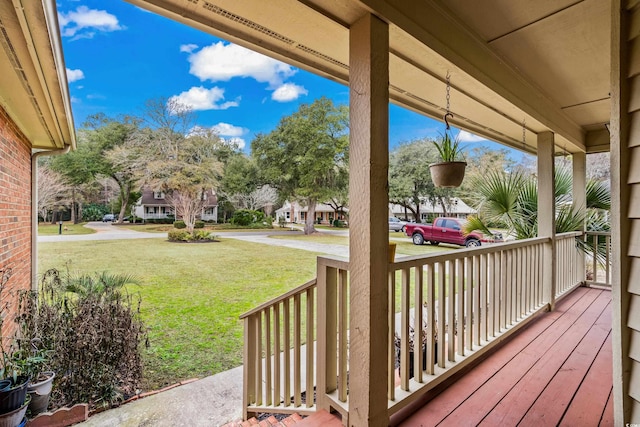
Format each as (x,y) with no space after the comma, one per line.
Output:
(569,234)
(598,233)
(334,261)
(417,260)
(300,289)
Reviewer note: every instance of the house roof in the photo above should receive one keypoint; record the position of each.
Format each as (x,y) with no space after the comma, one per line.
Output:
(148,199)
(457,206)
(320,207)
(33,87)
(544,63)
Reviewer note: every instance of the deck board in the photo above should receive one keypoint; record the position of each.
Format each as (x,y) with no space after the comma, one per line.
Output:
(570,343)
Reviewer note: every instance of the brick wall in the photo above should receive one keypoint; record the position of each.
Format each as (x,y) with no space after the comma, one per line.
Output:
(15,214)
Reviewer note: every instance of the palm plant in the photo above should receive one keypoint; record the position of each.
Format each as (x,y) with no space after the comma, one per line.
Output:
(98,285)
(510,199)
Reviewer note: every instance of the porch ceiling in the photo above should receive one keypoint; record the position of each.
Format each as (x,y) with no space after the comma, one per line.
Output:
(544,62)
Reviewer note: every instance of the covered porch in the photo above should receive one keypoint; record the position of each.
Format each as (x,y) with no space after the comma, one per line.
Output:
(547,78)
(475,300)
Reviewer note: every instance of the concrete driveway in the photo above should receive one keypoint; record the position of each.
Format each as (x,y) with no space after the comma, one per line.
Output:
(108,231)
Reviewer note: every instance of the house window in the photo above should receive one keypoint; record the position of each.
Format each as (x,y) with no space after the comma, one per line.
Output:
(288,215)
(158,195)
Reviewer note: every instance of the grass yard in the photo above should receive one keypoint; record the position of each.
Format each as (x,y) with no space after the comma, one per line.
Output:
(192,294)
(404,245)
(68,228)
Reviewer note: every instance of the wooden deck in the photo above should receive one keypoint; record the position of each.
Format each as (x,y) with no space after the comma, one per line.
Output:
(557,371)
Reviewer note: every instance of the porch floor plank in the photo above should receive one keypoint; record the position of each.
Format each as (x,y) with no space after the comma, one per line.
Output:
(593,396)
(566,363)
(571,343)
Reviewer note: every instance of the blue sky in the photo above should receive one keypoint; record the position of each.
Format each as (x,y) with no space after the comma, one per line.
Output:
(118,56)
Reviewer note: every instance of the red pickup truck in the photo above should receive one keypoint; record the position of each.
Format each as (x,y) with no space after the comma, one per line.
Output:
(443,230)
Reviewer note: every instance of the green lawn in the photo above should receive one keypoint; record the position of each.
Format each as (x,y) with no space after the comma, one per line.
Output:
(192,294)
(68,228)
(404,244)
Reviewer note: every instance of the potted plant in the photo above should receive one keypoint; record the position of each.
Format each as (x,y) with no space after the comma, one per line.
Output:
(398,342)
(32,364)
(448,173)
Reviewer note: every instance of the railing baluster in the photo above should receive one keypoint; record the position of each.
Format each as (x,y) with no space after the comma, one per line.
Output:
(343,327)
(404,323)
(259,364)
(442,320)
(476,300)
(607,260)
(391,354)
(503,290)
(267,356)
(297,398)
(430,318)
(451,310)
(418,316)
(483,298)
(310,348)
(461,306)
(286,338)
(276,355)
(469,296)
(495,293)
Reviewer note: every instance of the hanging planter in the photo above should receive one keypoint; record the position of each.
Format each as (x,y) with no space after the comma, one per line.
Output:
(448,173)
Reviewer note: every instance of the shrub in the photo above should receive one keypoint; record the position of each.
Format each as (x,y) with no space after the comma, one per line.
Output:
(91,328)
(243,217)
(198,224)
(282,222)
(179,224)
(94,212)
(179,236)
(338,223)
(202,235)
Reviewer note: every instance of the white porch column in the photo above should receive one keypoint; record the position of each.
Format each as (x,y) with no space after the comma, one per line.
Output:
(546,213)
(579,194)
(368,221)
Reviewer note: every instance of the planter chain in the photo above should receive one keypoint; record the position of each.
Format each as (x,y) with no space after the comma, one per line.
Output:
(524,135)
(448,111)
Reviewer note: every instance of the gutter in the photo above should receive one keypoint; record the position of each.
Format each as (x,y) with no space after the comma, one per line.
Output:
(34,209)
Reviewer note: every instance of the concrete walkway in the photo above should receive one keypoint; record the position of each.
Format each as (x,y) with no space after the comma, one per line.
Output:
(212,401)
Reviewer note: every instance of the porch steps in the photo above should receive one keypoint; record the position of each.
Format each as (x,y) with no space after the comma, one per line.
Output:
(319,419)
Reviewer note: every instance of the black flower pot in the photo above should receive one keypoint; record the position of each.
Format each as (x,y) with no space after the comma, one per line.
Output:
(14,397)
(424,360)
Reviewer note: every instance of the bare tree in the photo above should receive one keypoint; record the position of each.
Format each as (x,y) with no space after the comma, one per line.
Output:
(188,206)
(52,190)
(257,199)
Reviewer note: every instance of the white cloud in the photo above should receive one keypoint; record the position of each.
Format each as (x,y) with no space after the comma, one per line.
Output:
(222,62)
(465,136)
(238,142)
(74,75)
(84,22)
(188,47)
(288,92)
(200,98)
(227,129)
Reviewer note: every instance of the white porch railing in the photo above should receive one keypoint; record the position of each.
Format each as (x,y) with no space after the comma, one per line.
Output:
(569,268)
(471,298)
(599,261)
(279,360)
